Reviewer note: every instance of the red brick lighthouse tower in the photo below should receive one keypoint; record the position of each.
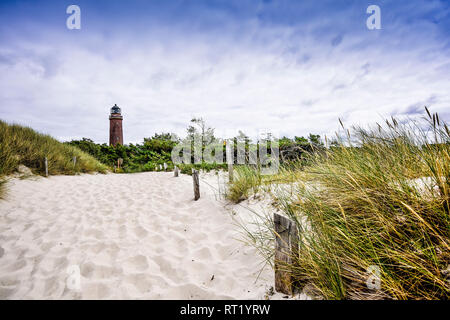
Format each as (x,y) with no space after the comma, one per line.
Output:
(115,126)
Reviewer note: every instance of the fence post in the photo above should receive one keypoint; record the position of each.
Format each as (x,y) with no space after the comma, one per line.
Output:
(286,249)
(230,173)
(196,185)
(46,166)
(229,154)
(175,171)
(74,159)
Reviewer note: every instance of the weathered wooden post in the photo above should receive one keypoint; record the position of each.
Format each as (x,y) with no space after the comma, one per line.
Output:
(175,171)
(114,168)
(160,167)
(230,160)
(119,162)
(196,185)
(286,251)
(74,159)
(230,173)
(165,166)
(46,166)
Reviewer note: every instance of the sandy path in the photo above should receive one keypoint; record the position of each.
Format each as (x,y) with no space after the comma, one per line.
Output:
(134,236)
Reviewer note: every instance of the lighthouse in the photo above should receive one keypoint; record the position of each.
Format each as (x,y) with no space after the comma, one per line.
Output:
(115,126)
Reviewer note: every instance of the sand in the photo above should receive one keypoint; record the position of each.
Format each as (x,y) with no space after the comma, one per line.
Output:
(131,236)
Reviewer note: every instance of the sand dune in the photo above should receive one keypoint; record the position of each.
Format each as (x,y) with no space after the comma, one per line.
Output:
(133,236)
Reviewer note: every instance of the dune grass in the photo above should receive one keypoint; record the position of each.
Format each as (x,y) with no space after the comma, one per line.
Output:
(377,200)
(246,181)
(20,145)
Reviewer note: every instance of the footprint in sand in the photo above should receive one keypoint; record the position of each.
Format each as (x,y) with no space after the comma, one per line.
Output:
(140,232)
(94,271)
(6,292)
(140,281)
(95,291)
(137,263)
(54,286)
(95,233)
(9,281)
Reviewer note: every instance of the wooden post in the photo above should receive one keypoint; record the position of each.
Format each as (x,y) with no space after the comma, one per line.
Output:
(230,173)
(286,249)
(74,159)
(175,171)
(114,168)
(119,162)
(160,167)
(46,166)
(165,166)
(229,153)
(196,185)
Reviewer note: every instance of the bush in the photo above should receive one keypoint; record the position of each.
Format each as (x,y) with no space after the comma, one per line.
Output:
(136,158)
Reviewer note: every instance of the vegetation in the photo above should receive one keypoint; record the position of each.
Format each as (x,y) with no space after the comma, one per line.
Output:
(374,198)
(378,198)
(295,155)
(187,168)
(157,150)
(246,180)
(22,145)
(153,152)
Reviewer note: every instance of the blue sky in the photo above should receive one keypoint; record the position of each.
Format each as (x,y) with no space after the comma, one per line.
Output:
(291,67)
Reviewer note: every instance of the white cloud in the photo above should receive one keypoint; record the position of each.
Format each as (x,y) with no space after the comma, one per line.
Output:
(66,87)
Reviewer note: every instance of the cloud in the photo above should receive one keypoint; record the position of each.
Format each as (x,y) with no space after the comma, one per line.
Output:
(239,65)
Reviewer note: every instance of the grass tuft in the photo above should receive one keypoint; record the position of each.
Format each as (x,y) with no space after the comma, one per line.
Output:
(246,181)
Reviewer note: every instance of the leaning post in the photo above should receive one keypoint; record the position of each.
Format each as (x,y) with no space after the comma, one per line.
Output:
(286,251)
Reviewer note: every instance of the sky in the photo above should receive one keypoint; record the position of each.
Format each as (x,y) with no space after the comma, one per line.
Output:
(289,67)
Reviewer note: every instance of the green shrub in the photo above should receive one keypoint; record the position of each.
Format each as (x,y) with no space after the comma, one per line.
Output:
(136,157)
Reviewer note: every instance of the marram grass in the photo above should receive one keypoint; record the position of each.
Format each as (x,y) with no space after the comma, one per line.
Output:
(246,181)
(380,198)
(23,146)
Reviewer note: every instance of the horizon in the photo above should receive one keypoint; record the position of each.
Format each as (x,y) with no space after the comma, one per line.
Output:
(292,68)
